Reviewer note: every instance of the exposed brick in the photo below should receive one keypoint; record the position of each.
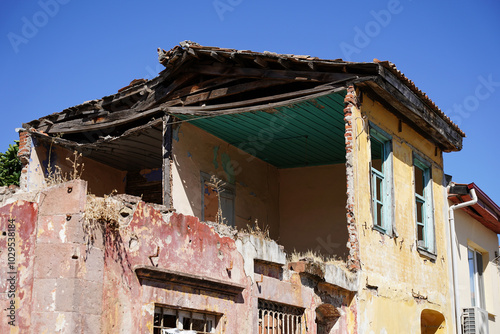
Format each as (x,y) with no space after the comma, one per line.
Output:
(353,260)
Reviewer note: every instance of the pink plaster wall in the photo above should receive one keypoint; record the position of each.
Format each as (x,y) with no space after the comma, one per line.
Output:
(185,245)
(24,215)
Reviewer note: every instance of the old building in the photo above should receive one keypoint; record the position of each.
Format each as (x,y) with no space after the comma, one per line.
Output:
(252,193)
(475,221)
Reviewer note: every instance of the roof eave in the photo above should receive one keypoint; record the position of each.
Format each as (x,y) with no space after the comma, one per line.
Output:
(486,211)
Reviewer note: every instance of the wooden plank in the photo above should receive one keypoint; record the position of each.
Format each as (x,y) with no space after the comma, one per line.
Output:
(237,59)
(284,63)
(167,161)
(260,103)
(129,99)
(232,90)
(161,93)
(202,86)
(113,119)
(221,70)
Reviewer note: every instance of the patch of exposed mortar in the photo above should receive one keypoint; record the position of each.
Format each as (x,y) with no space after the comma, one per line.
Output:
(401,294)
(7,192)
(13,194)
(222,230)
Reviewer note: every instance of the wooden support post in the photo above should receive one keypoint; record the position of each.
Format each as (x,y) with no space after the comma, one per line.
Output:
(167,160)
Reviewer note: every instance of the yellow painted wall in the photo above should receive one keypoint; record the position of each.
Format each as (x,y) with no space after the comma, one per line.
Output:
(312,209)
(393,265)
(472,233)
(256,182)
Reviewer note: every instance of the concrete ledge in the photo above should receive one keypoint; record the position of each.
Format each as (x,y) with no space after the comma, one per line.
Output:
(194,281)
(337,276)
(328,273)
(264,250)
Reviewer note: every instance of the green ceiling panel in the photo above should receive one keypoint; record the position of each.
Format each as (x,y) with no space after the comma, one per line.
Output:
(308,133)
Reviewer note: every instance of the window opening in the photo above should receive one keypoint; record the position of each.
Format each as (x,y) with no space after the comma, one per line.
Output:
(275,318)
(167,320)
(424,210)
(381,179)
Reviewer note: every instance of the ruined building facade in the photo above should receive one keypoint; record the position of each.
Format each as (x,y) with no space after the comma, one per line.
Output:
(237,192)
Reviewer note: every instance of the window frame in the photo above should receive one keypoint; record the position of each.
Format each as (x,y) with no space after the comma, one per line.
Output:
(387,185)
(276,317)
(476,277)
(181,314)
(428,244)
(229,194)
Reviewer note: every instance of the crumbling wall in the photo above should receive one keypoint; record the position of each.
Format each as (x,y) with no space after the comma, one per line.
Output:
(176,243)
(59,284)
(67,286)
(17,260)
(106,275)
(186,252)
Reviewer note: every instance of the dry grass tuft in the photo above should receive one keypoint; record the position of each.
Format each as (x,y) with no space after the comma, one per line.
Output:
(256,231)
(55,174)
(313,256)
(218,185)
(101,214)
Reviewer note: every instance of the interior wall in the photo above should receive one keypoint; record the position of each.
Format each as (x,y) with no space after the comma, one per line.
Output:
(312,209)
(102,179)
(256,182)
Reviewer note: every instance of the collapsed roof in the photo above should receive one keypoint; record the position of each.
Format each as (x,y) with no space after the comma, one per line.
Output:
(230,93)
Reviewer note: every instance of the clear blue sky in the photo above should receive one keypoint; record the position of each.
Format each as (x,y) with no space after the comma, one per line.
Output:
(59,53)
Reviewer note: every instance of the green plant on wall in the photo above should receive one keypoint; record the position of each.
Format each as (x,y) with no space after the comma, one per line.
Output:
(10,166)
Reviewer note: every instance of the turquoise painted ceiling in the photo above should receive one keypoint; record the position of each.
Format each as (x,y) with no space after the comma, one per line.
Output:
(308,133)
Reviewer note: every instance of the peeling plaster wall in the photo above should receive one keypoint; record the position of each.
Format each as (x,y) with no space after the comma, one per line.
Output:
(471,233)
(67,287)
(24,215)
(312,209)
(178,243)
(397,277)
(102,179)
(256,182)
(183,244)
(59,285)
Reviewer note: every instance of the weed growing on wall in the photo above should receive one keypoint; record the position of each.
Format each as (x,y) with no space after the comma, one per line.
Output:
(313,256)
(101,214)
(218,185)
(255,230)
(55,174)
